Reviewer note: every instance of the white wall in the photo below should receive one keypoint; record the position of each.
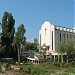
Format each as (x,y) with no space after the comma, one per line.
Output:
(47,38)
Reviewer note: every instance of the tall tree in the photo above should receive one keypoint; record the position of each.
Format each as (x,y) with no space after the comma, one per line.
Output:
(61,49)
(19,37)
(8,31)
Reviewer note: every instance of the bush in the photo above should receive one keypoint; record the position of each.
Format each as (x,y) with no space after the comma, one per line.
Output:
(27,67)
(66,65)
(36,70)
(45,71)
(62,64)
(72,64)
(57,64)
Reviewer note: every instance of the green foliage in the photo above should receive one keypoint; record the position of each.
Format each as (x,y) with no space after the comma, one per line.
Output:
(19,36)
(57,64)
(7,35)
(71,70)
(61,47)
(69,46)
(28,46)
(37,69)
(27,67)
(3,49)
(47,68)
(72,64)
(66,47)
(7,28)
(68,71)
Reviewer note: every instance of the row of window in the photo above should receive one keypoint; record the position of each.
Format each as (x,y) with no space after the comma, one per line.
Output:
(68,36)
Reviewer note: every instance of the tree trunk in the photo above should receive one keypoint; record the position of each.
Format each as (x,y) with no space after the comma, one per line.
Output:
(19,54)
(58,58)
(67,59)
(62,58)
(54,58)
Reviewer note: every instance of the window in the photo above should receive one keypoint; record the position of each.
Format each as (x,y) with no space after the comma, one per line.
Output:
(60,36)
(64,35)
(67,35)
(52,40)
(45,31)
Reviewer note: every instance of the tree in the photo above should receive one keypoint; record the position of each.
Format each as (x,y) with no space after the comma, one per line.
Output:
(28,46)
(43,53)
(61,49)
(19,37)
(69,47)
(8,31)
(66,47)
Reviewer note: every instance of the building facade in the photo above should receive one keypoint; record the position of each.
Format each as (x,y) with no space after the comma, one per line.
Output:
(51,35)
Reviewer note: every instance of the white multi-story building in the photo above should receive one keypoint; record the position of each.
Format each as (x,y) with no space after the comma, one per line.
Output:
(51,35)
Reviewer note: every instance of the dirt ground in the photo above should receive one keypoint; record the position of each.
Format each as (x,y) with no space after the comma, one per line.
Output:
(11,72)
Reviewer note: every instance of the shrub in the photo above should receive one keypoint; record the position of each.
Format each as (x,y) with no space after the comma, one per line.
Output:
(28,67)
(66,65)
(72,64)
(36,70)
(62,64)
(57,64)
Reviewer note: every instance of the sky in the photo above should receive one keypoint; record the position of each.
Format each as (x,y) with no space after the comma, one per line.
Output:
(33,13)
